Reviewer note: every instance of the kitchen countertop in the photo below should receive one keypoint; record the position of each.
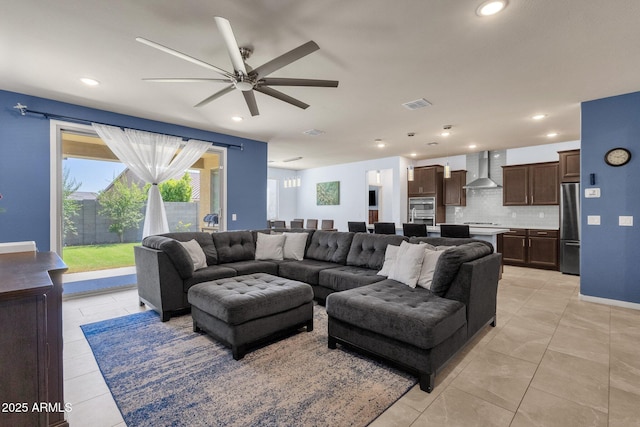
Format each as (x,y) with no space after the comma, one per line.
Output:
(503,226)
(477,231)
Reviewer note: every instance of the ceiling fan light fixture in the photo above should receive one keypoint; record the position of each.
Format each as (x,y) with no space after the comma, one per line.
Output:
(491,7)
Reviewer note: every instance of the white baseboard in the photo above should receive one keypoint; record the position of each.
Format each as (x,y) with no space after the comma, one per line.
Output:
(607,301)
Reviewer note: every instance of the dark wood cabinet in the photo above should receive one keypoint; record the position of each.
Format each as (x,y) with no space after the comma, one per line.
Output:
(454,193)
(427,181)
(530,248)
(569,165)
(31,339)
(534,184)
(373,216)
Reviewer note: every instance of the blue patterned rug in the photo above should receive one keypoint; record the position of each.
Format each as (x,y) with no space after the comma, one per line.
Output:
(164,374)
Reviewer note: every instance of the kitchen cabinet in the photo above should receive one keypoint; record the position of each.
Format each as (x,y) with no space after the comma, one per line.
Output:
(569,165)
(427,181)
(454,193)
(530,248)
(533,184)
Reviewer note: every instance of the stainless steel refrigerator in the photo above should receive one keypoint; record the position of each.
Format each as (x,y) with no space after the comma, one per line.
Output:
(570,228)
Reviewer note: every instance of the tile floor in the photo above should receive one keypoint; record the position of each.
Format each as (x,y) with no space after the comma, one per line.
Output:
(552,360)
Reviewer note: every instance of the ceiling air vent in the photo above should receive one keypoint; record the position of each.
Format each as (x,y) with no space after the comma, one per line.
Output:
(418,103)
(313,132)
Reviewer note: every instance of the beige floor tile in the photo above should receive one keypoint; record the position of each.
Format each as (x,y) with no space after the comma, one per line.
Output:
(540,409)
(580,342)
(536,320)
(398,415)
(512,298)
(548,302)
(590,317)
(519,342)
(79,365)
(101,411)
(624,410)
(625,322)
(454,407)
(496,378)
(624,371)
(580,380)
(84,387)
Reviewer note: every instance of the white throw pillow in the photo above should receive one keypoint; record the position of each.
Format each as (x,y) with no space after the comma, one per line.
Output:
(294,245)
(408,264)
(270,247)
(428,267)
(389,260)
(196,253)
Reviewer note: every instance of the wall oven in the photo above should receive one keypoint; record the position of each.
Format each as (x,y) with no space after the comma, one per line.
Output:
(422,210)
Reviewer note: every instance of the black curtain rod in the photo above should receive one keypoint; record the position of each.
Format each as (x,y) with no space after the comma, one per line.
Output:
(24,110)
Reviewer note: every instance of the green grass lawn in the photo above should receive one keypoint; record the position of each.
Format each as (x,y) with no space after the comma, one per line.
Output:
(98,257)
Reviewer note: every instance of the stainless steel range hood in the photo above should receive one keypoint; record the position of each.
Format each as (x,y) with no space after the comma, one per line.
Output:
(483,181)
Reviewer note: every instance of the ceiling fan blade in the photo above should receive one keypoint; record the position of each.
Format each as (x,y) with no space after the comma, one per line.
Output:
(215,96)
(232,45)
(250,98)
(186,80)
(277,81)
(184,56)
(285,59)
(281,96)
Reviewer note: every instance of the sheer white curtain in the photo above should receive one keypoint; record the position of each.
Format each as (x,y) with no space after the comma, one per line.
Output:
(152,158)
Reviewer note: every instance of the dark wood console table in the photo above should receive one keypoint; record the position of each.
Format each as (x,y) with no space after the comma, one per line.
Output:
(31,382)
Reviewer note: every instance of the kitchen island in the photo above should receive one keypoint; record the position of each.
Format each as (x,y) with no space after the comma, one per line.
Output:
(487,233)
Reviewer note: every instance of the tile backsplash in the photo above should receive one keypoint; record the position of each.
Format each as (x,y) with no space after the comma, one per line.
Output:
(485,205)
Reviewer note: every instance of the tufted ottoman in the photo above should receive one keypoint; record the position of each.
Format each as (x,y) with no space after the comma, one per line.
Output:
(411,327)
(246,310)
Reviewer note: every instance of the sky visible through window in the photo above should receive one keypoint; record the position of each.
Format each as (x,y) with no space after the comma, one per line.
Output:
(94,175)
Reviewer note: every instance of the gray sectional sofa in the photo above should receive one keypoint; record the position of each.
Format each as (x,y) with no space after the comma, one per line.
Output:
(418,329)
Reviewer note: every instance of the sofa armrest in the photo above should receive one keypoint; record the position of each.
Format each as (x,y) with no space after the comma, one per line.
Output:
(159,284)
(476,286)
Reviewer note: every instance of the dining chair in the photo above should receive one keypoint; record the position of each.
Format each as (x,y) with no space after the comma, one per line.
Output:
(312,224)
(327,224)
(357,227)
(279,224)
(451,230)
(414,230)
(297,223)
(384,227)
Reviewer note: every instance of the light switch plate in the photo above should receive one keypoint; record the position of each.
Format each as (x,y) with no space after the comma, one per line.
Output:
(593,219)
(234,217)
(625,221)
(592,193)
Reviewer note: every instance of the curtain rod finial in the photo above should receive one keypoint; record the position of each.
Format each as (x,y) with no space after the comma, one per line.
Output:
(22,108)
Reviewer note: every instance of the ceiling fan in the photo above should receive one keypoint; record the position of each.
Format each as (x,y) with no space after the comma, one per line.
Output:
(243,77)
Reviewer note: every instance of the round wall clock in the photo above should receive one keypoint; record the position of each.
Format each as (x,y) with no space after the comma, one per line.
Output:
(617,157)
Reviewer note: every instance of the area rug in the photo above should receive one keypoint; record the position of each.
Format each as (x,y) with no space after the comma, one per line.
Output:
(164,374)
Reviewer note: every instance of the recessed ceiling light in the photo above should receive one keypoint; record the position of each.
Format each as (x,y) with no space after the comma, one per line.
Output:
(89,82)
(413,154)
(472,146)
(237,118)
(539,116)
(445,133)
(491,7)
(381,145)
(552,134)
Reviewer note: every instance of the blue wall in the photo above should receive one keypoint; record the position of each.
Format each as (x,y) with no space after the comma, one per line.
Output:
(610,257)
(24,166)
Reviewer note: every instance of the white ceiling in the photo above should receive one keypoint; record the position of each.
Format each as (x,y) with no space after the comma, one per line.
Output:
(484,76)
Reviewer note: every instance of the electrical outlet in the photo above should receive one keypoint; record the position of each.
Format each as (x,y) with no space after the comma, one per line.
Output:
(593,219)
(625,221)
(513,214)
(234,217)
(541,215)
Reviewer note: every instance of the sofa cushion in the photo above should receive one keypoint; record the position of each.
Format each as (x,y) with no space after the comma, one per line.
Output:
(389,308)
(207,274)
(347,277)
(428,269)
(175,251)
(195,252)
(450,261)
(269,246)
(295,245)
(204,239)
(390,256)
(306,271)
(329,246)
(368,250)
(234,246)
(448,241)
(408,264)
(253,266)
